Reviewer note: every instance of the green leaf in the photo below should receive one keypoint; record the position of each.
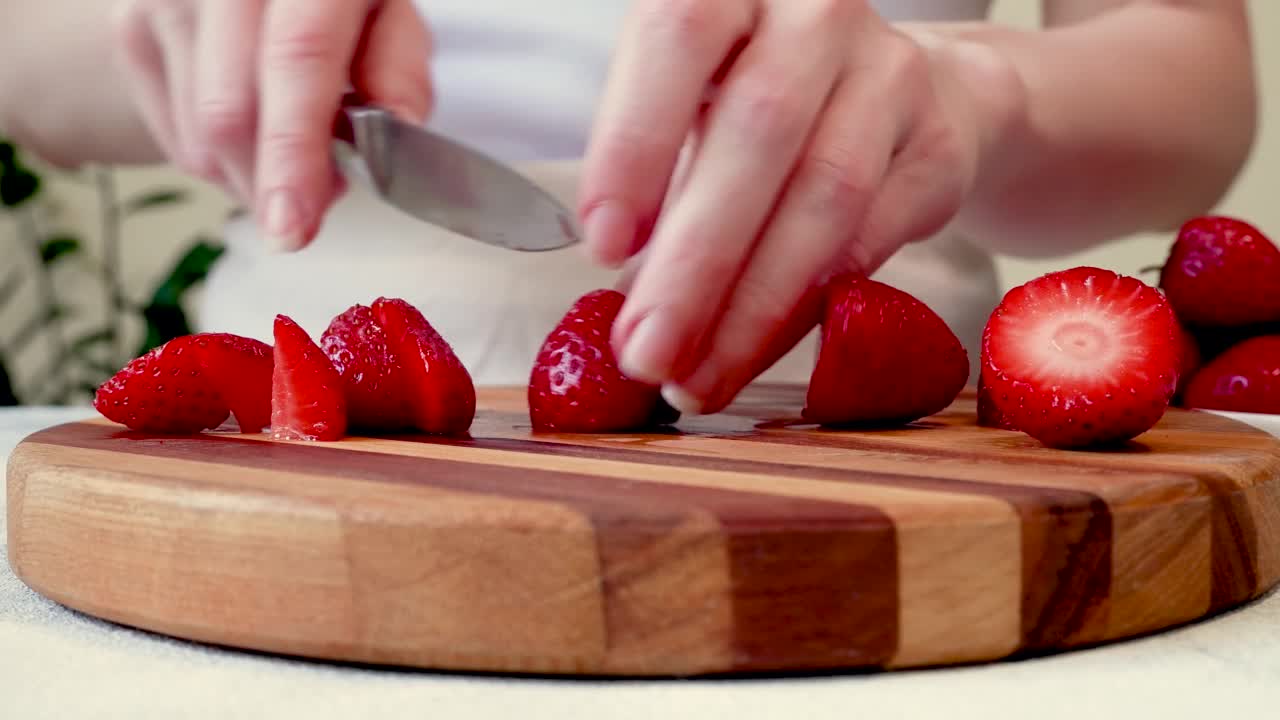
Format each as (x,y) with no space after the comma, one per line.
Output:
(7,396)
(17,186)
(57,246)
(164,315)
(155,199)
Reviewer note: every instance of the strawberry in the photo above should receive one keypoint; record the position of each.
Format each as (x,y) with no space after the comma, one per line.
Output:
(191,383)
(1245,378)
(1189,359)
(307,398)
(376,383)
(1082,357)
(885,357)
(440,391)
(988,414)
(1222,272)
(576,385)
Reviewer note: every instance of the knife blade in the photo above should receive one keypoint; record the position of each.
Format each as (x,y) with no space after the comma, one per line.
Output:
(445,183)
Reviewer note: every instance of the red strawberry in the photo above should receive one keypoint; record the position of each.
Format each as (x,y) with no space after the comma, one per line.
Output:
(1223,272)
(307,399)
(1189,359)
(377,388)
(885,357)
(1082,357)
(988,414)
(1245,378)
(241,368)
(440,390)
(192,383)
(576,385)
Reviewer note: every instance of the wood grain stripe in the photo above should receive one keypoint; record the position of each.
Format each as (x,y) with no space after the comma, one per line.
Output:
(851,573)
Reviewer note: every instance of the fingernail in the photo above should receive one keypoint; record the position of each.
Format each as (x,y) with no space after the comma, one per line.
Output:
(610,232)
(650,352)
(681,399)
(283,221)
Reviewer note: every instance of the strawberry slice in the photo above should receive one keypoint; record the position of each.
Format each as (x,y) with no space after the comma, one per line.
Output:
(576,385)
(441,393)
(241,369)
(1222,271)
(885,358)
(307,399)
(376,382)
(190,384)
(988,414)
(1082,357)
(1245,378)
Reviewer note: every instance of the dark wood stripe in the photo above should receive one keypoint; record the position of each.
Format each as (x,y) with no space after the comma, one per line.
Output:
(1234,533)
(840,604)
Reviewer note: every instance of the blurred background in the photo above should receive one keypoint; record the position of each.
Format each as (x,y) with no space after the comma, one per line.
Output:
(99,265)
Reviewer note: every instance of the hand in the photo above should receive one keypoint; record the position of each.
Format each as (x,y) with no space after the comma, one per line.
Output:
(243,93)
(831,140)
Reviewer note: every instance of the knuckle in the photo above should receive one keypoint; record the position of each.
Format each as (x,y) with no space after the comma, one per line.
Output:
(224,122)
(907,61)
(685,22)
(286,147)
(834,182)
(301,46)
(765,111)
(833,14)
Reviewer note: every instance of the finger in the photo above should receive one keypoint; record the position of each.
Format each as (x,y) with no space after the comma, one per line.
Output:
(225,104)
(824,205)
(145,77)
(668,54)
(391,61)
(307,48)
(766,111)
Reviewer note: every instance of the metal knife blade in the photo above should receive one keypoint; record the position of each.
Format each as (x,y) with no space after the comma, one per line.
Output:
(445,183)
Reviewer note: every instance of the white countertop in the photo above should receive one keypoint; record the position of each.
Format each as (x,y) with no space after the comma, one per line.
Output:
(55,663)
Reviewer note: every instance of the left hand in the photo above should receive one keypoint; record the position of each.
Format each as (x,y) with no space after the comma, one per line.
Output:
(832,140)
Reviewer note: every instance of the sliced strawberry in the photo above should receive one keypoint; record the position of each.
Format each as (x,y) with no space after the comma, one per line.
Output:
(307,398)
(1245,378)
(166,390)
(576,385)
(988,414)
(1082,357)
(377,385)
(1222,271)
(241,369)
(885,358)
(441,392)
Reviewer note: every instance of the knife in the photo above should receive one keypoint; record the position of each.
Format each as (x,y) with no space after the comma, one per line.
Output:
(446,183)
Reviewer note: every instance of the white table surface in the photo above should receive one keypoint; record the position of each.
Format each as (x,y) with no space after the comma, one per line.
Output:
(56,663)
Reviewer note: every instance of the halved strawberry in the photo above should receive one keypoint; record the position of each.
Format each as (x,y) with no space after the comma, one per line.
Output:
(377,385)
(988,414)
(441,393)
(1223,271)
(885,357)
(576,385)
(1082,357)
(307,398)
(1245,378)
(192,383)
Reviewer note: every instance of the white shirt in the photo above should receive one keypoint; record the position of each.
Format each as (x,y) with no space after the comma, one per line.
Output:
(520,81)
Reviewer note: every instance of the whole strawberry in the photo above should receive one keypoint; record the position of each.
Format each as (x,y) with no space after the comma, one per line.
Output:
(885,357)
(1245,378)
(576,385)
(192,383)
(1082,357)
(1222,272)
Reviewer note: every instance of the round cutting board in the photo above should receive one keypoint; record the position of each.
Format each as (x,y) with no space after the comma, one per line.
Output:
(744,541)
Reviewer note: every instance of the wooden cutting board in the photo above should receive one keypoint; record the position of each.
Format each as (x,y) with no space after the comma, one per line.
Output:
(740,542)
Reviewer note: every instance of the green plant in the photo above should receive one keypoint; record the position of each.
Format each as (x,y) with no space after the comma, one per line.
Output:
(83,346)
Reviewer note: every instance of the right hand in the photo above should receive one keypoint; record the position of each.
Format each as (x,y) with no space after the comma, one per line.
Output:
(243,93)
